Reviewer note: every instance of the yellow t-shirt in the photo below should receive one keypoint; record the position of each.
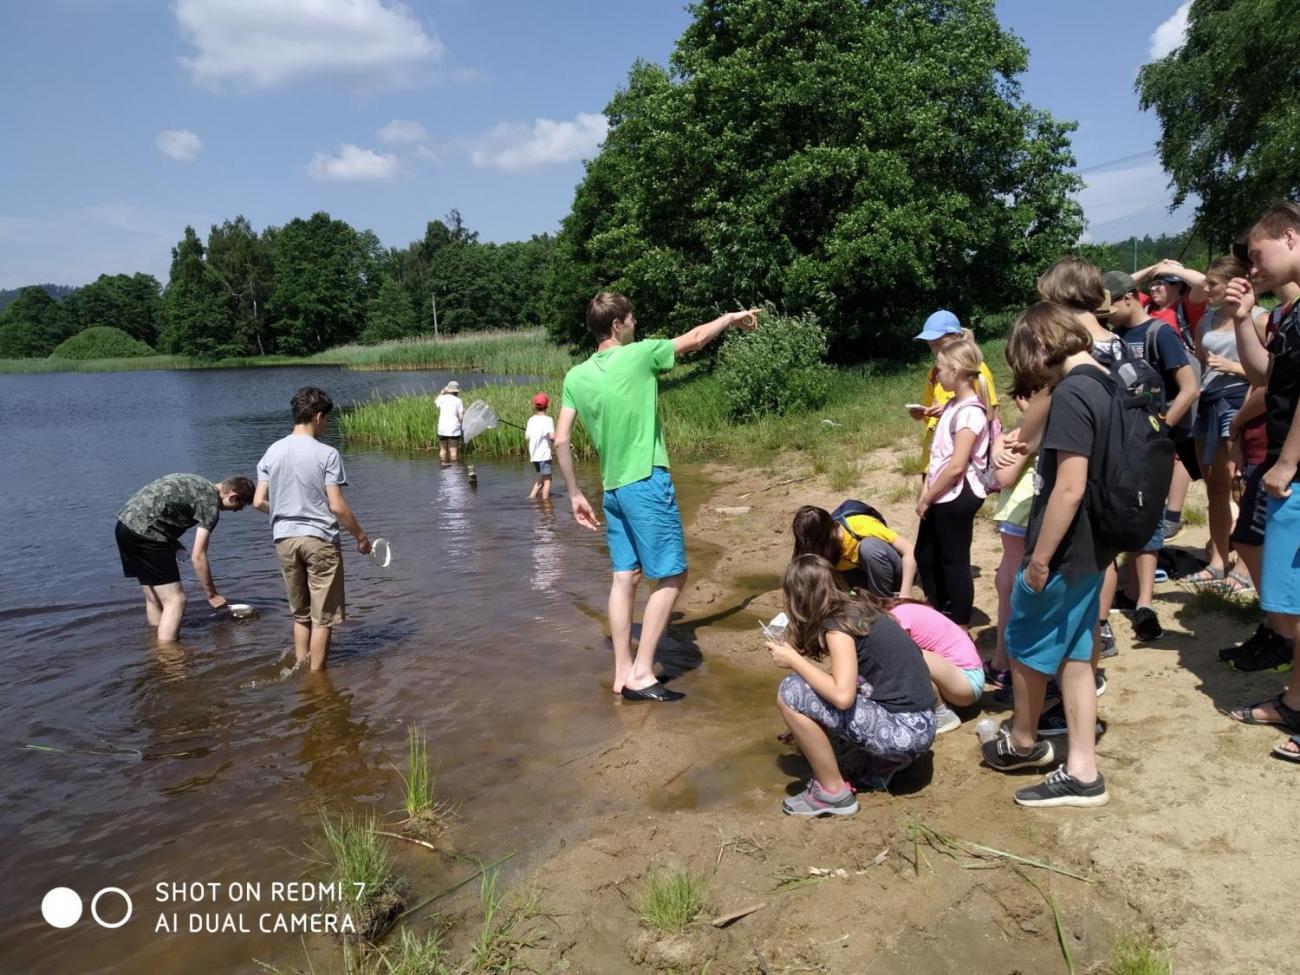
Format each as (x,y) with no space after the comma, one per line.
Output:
(936,395)
(863,526)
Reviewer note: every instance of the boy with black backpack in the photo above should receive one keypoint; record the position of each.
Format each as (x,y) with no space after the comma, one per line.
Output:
(1157,344)
(1099,465)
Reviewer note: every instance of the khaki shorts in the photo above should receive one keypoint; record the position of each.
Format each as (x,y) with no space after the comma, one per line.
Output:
(313,578)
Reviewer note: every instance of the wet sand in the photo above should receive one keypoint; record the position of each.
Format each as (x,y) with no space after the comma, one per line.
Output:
(1196,846)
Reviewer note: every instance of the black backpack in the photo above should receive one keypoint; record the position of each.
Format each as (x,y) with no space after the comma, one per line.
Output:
(1127,491)
(851,507)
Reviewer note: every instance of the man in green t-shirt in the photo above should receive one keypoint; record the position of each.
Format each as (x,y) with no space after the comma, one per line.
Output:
(615,393)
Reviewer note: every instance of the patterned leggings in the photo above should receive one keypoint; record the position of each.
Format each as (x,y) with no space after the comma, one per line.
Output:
(890,738)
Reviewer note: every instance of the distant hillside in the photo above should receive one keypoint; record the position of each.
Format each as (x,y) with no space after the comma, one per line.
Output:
(56,291)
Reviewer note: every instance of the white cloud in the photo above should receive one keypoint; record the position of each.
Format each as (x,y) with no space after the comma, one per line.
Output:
(181,144)
(263,43)
(352,164)
(1171,34)
(401,131)
(516,145)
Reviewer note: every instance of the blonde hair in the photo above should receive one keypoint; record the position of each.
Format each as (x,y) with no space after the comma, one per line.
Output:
(966,336)
(1044,336)
(964,358)
(1073,282)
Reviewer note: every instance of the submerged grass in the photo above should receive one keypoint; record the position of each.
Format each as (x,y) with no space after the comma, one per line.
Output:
(419,779)
(672,899)
(358,858)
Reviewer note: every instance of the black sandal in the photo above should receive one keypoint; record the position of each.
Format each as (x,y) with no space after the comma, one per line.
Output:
(1287,717)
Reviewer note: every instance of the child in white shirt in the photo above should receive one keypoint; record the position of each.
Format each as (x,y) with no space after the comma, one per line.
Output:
(539,433)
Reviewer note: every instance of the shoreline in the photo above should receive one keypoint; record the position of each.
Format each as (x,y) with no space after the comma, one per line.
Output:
(1187,837)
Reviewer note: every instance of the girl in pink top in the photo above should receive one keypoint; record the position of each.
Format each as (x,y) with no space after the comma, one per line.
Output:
(956,671)
(953,492)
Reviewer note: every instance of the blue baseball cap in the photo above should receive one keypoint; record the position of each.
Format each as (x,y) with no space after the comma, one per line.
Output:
(941,323)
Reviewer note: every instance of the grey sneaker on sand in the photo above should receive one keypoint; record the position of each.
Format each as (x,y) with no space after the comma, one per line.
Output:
(814,801)
(1060,788)
(945,719)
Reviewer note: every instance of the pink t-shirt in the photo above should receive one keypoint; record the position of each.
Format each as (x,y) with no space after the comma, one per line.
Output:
(931,630)
(970,416)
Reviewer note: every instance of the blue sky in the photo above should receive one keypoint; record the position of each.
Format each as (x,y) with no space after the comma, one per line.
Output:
(124,120)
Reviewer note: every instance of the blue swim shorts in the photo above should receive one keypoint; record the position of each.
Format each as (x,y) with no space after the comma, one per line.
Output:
(1280,588)
(1048,627)
(976,677)
(643,527)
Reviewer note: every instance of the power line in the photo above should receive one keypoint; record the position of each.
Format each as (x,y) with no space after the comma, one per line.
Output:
(1113,162)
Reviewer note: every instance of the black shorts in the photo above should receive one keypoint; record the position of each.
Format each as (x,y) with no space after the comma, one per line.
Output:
(151,563)
(1186,451)
(1252,513)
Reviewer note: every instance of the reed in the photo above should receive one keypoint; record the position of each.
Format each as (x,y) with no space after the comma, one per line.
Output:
(358,858)
(520,352)
(419,779)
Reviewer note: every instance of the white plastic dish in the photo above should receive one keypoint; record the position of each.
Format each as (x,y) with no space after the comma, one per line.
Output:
(241,611)
(381,553)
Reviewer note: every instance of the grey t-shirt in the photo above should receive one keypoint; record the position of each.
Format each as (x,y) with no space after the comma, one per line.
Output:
(298,467)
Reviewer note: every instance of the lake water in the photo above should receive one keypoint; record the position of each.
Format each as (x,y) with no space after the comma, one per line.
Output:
(197,764)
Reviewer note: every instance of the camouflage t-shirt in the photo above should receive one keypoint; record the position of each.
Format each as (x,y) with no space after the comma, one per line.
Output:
(170,506)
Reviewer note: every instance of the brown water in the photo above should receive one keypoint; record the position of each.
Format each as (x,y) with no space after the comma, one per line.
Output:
(198,764)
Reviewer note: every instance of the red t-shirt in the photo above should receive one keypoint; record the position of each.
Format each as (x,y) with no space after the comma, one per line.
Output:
(1254,435)
(1170,315)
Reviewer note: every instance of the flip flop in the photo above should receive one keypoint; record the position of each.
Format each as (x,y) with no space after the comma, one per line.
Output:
(655,692)
(1282,752)
(1287,717)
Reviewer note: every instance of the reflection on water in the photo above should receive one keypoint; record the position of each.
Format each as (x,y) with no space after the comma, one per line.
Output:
(201,762)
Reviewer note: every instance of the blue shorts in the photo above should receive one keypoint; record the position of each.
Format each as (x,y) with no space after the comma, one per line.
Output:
(1047,628)
(643,527)
(976,677)
(542,467)
(1157,540)
(1279,591)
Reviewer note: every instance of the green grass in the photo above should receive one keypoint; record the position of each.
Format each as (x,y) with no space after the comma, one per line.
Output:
(1194,514)
(419,779)
(671,900)
(499,944)
(865,410)
(501,353)
(1137,956)
(358,859)
(524,352)
(1237,606)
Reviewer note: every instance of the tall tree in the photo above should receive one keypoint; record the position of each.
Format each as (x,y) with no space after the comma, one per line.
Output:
(242,261)
(195,317)
(325,275)
(862,161)
(130,302)
(390,315)
(32,325)
(1228,101)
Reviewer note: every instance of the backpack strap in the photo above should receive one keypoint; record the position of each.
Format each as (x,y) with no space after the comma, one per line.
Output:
(988,426)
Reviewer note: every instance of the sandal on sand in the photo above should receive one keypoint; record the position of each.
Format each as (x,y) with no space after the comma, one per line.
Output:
(1287,717)
(1291,754)
(1208,574)
(1234,583)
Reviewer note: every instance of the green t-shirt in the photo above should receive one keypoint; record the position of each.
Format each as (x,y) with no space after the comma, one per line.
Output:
(616,395)
(166,509)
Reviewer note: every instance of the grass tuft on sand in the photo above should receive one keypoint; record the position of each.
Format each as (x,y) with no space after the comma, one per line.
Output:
(672,899)
(1134,955)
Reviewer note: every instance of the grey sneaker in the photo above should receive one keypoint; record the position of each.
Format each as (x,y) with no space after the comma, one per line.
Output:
(1108,647)
(1170,530)
(814,801)
(1000,754)
(945,719)
(1060,788)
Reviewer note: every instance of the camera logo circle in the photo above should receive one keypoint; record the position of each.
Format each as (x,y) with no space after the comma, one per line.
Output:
(62,907)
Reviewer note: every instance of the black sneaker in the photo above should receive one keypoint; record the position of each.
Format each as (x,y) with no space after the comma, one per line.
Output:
(1000,754)
(1051,724)
(1146,625)
(1060,788)
(1108,647)
(1271,653)
(1121,603)
(1248,646)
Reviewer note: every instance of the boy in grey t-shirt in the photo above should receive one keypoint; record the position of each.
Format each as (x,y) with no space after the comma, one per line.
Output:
(299,484)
